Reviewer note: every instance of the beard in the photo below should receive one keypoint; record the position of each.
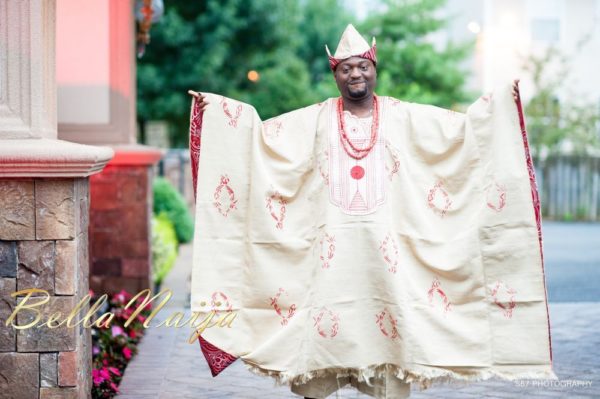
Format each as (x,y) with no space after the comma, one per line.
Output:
(358,93)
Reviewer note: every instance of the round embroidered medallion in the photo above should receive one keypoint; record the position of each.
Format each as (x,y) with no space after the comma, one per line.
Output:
(357,172)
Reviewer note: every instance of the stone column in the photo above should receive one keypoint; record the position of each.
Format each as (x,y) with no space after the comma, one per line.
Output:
(44,211)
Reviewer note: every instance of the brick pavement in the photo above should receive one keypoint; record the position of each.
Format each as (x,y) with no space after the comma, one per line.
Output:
(168,367)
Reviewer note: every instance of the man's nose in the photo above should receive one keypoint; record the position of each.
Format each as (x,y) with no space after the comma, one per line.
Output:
(355,73)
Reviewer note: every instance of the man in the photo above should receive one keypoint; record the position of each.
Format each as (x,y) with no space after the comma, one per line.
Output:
(369,241)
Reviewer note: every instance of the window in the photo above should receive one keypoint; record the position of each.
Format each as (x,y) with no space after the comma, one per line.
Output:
(545,30)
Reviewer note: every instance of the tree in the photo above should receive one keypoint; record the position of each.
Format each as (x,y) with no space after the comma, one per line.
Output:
(212,45)
(410,67)
(551,123)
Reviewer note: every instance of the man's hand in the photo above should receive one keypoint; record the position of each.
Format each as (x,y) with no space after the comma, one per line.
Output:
(515,89)
(199,97)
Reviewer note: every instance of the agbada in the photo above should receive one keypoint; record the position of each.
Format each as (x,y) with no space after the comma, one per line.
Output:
(383,249)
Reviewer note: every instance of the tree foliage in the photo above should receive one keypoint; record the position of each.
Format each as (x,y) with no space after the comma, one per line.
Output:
(211,45)
(409,66)
(555,125)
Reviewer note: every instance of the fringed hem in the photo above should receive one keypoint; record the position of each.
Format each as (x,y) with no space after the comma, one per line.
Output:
(424,376)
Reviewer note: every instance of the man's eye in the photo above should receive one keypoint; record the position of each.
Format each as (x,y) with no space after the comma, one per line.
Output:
(364,68)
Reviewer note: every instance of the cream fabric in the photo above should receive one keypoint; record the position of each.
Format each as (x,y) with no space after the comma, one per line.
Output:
(428,267)
(351,44)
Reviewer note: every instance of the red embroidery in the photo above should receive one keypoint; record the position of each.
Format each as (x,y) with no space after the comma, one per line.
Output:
(395,159)
(395,101)
(507,309)
(217,359)
(357,172)
(282,203)
(216,304)
(224,184)
(291,310)
(324,174)
(195,142)
(536,208)
(370,54)
(435,287)
(233,120)
(333,329)
(272,128)
(330,250)
(496,197)
(446,198)
(392,260)
(393,323)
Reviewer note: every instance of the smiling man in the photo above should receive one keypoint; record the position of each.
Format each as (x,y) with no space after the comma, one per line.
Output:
(369,241)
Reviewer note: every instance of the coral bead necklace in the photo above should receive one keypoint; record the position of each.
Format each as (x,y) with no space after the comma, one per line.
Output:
(351,150)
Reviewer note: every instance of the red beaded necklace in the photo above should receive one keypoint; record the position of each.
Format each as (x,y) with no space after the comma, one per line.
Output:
(351,150)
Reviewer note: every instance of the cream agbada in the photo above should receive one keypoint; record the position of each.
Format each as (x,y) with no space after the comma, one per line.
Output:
(423,259)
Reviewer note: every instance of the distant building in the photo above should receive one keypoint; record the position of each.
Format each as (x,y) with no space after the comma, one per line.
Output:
(507,31)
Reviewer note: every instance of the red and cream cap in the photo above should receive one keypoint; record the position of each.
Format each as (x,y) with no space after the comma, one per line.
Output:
(352,44)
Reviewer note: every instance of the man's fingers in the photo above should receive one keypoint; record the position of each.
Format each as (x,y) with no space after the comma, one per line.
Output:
(196,94)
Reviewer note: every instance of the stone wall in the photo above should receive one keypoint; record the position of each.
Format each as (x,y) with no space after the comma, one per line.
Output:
(43,244)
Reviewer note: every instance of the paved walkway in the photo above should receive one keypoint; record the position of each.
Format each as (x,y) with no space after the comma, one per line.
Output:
(168,367)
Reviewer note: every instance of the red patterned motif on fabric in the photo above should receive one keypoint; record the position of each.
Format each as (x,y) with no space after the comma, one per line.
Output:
(436,287)
(195,141)
(536,206)
(282,203)
(324,174)
(215,302)
(395,168)
(224,184)
(393,323)
(291,310)
(333,318)
(273,128)
(326,258)
(440,209)
(370,54)
(390,259)
(496,197)
(506,306)
(233,120)
(217,359)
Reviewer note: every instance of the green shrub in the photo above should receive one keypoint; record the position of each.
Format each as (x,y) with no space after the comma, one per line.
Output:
(164,247)
(168,200)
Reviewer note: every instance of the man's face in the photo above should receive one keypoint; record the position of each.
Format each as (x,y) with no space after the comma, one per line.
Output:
(356,78)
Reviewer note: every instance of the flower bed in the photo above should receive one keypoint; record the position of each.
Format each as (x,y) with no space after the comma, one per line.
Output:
(114,345)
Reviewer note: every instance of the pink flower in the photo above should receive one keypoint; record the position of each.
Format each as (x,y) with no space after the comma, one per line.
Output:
(98,379)
(141,318)
(117,330)
(127,353)
(114,370)
(95,350)
(105,374)
(119,298)
(114,387)
(132,334)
